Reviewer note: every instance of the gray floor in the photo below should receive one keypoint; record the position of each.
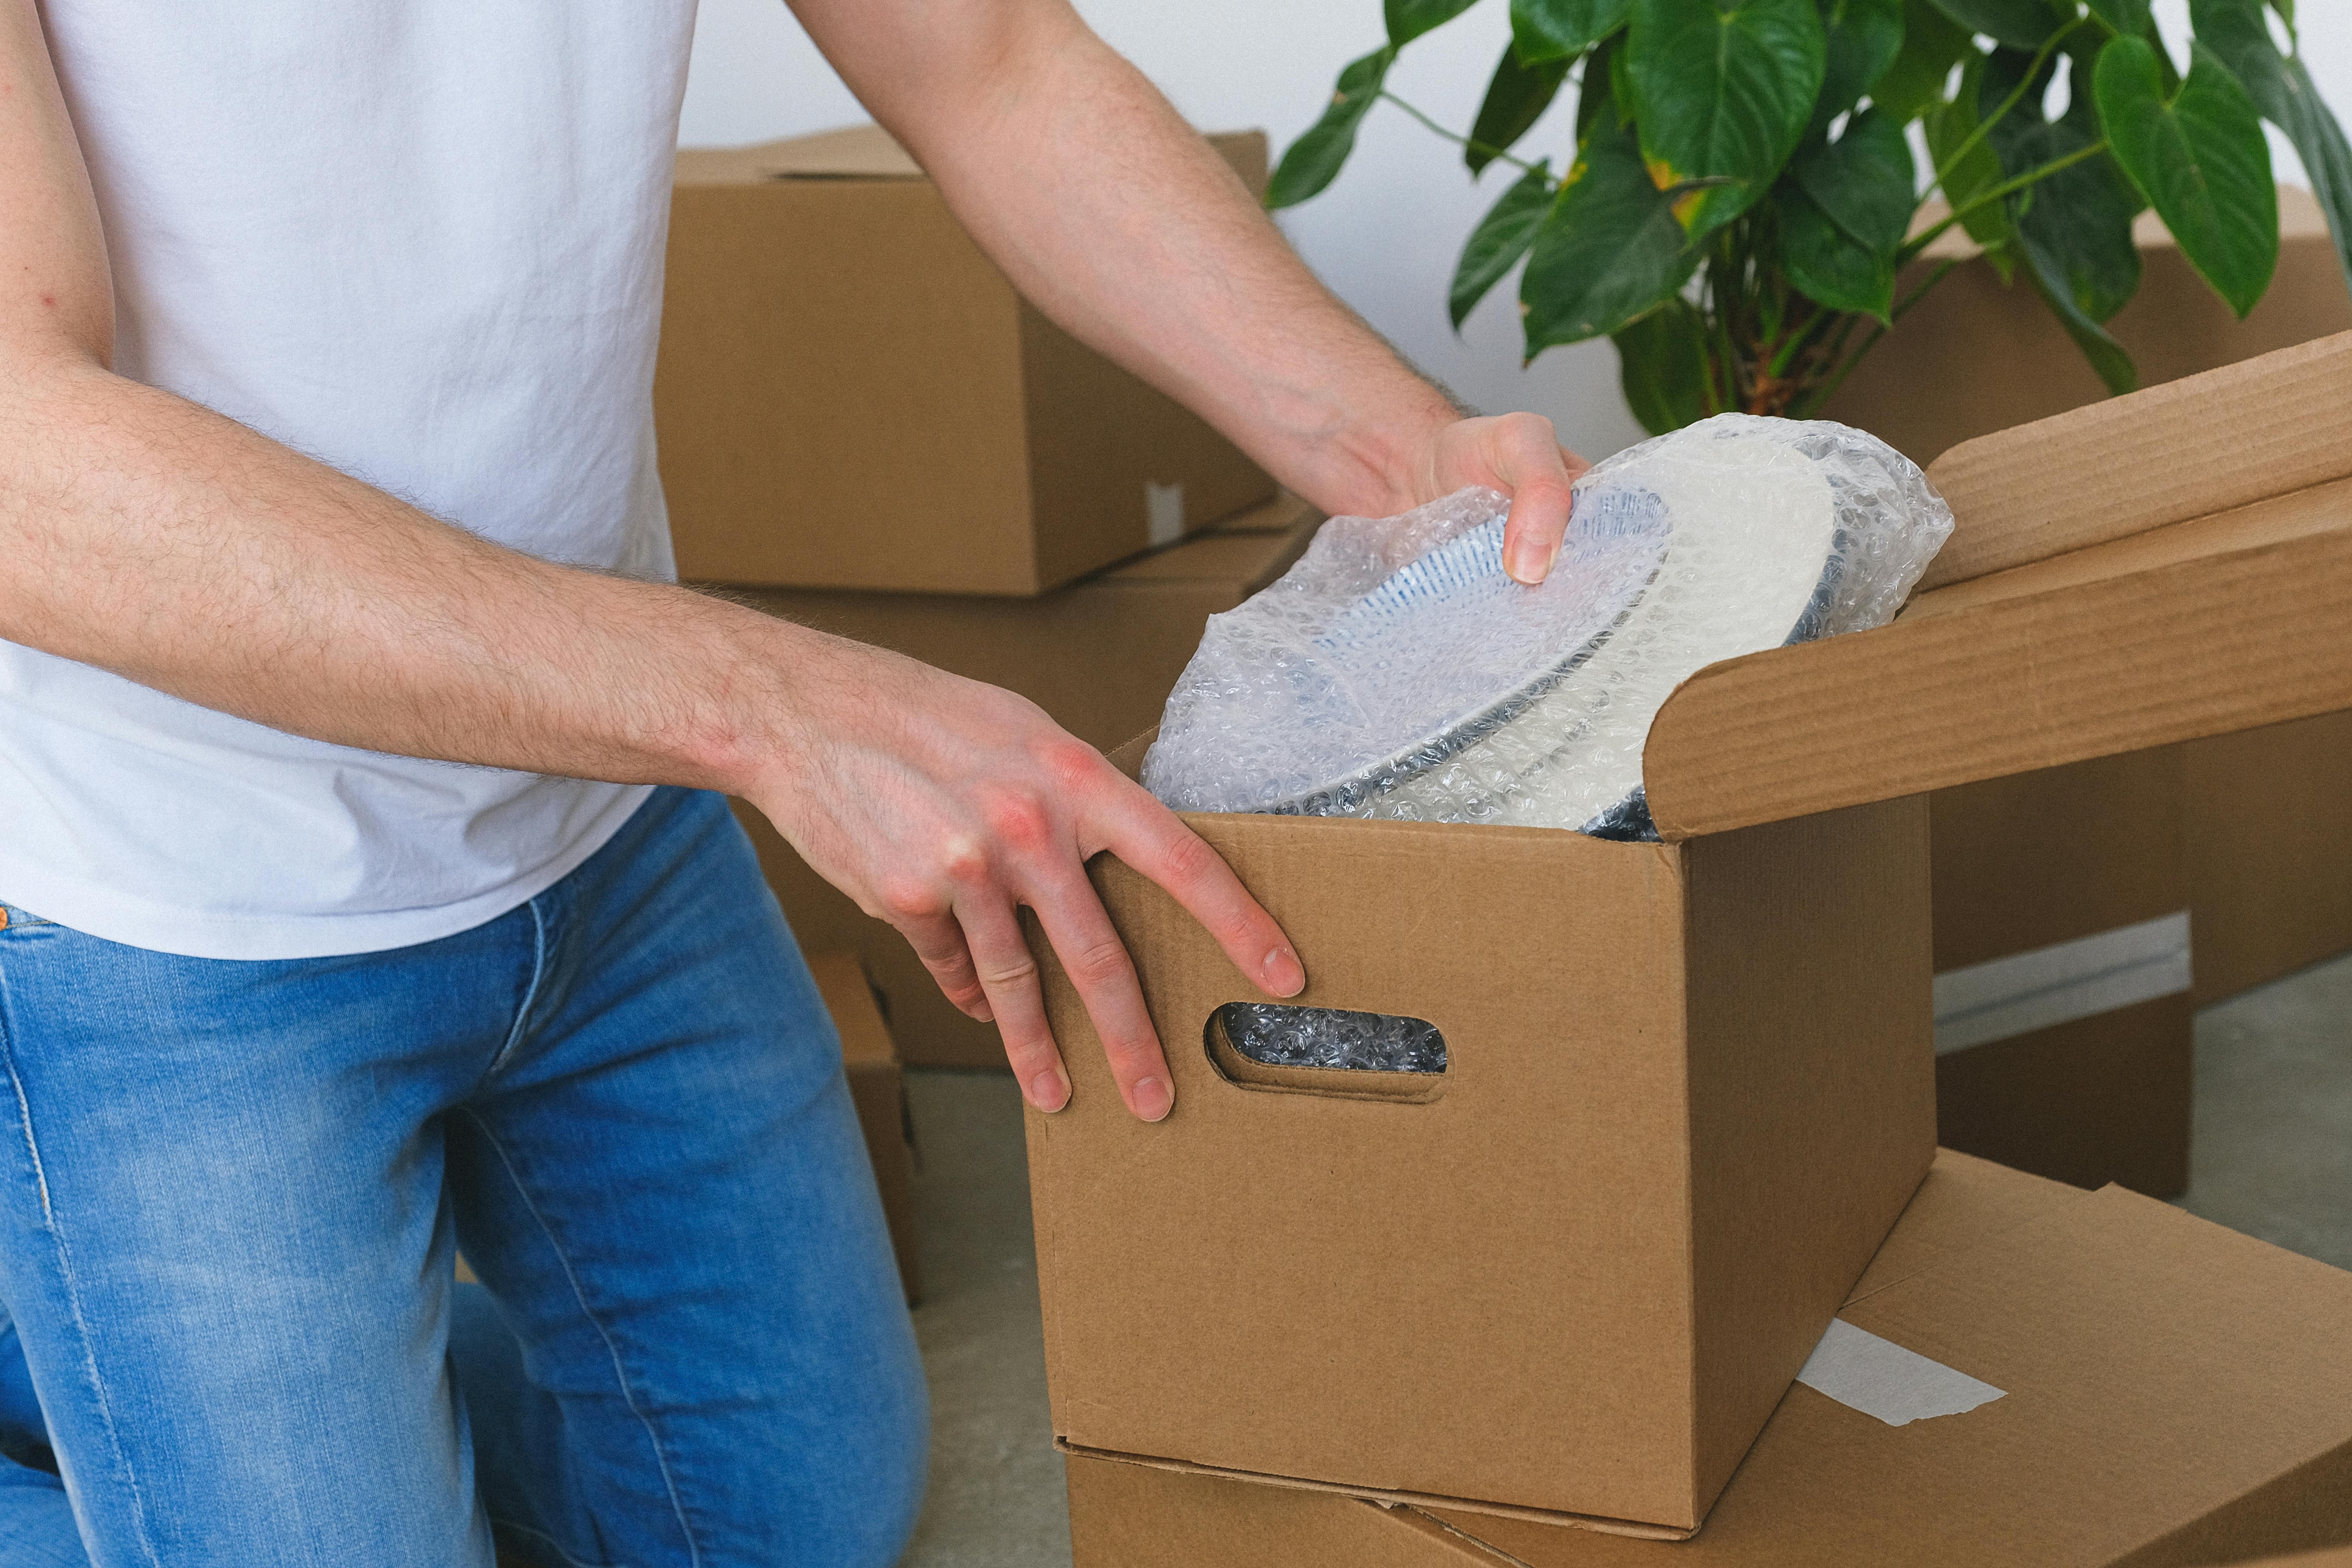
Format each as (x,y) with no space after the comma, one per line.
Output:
(2273,1158)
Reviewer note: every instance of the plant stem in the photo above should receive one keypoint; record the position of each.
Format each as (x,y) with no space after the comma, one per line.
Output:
(2017,93)
(1499,154)
(2006,188)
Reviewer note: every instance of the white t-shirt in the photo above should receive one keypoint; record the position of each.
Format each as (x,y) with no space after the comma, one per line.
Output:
(422,241)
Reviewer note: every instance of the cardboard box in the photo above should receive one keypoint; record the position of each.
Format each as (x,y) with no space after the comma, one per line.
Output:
(876,1087)
(1100,656)
(2269,822)
(849,394)
(2063,1020)
(1689,1082)
(2172,1393)
(2270,851)
(1974,357)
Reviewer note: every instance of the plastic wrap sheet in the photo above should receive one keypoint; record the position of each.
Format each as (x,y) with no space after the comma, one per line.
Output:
(1396,671)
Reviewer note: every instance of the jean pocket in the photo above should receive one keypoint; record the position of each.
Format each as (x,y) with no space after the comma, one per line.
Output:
(11,917)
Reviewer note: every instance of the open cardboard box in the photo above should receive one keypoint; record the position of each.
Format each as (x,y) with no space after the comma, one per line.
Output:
(850,395)
(1689,1084)
(2169,1393)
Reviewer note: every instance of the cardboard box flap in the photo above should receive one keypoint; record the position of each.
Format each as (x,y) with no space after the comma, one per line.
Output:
(2189,623)
(2202,444)
(2164,1379)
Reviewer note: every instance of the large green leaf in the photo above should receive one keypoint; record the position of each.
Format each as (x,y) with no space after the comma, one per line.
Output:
(1313,160)
(2200,159)
(2281,89)
(1501,238)
(2107,355)
(1861,40)
(1843,208)
(1662,365)
(1409,19)
(2129,17)
(1722,89)
(1516,98)
(1563,29)
(1610,249)
(1596,88)
(2078,221)
(2020,24)
(1866,181)
(1967,176)
(1828,265)
(1932,44)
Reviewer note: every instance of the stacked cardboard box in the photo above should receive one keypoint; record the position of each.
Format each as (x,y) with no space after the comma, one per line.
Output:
(2155,1390)
(850,395)
(870,1060)
(864,427)
(2055,876)
(1688,1085)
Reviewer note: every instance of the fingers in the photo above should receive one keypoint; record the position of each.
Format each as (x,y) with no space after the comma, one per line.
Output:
(1529,459)
(1009,975)
(1146,835)
(1099,967)
(939,941)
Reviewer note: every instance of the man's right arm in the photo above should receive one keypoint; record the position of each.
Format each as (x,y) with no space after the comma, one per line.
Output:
(147,535)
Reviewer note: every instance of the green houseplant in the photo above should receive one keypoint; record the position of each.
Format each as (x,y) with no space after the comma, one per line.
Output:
(1743,206)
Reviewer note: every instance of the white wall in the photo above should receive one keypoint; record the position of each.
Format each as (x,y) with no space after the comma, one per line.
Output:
(1386,236)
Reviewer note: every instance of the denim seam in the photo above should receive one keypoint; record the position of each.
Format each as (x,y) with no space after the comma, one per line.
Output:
(530,993)
(620,1373)
(72,1290)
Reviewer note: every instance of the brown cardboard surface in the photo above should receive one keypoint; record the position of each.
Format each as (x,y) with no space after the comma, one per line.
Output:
(1682,1109)
(2040,859)
(2192,628)
(1975,357)
(850,395)
(2270,848)
(2174,1395)
(876,1090)
(2224,438)
(2103,1099)
(1100,656)
(2273,887)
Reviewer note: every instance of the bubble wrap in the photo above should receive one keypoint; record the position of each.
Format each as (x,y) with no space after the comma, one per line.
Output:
(1396,671)
(1331,1037)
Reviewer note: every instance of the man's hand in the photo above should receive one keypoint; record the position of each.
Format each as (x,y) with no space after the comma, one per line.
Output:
(944,806)
(1518,455)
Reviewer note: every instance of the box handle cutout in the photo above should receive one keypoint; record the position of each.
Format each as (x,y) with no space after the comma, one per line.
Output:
(1328,1051)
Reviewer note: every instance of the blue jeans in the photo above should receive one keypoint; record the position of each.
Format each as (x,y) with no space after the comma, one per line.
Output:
(230,1195)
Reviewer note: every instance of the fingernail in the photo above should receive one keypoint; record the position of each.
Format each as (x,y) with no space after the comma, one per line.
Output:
(1285,976)
(1528,562)
(983,1012)
(1151,1099)
(1049,1090)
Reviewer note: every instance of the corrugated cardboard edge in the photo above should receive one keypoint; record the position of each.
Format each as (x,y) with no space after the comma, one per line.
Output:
(2203,444)
(1390,1498)
(2200,627)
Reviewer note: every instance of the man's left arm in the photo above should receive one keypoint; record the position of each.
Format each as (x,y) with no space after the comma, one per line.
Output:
(1118,221)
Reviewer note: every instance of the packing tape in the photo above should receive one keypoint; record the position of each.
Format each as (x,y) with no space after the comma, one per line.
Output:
(1163,513)
(1880,1378)
(2060,983)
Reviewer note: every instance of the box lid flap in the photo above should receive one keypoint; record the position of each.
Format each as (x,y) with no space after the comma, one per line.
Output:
(2168,565)
(2157,1370)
